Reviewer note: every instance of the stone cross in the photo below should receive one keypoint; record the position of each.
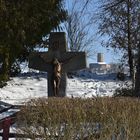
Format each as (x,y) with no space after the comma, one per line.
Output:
(71,61)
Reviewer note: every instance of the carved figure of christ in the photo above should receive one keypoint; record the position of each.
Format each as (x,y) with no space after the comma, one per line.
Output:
(69,61)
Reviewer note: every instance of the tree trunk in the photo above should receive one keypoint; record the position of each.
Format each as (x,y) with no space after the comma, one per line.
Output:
(130,53)
(5,67)
(137,84)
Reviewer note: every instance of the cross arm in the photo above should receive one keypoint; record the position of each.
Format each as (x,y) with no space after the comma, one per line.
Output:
(75,61)
(37,62)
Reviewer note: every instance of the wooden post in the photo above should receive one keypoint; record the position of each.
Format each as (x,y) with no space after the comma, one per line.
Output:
(6,128)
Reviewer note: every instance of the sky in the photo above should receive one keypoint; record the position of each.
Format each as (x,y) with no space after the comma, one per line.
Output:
(109,55)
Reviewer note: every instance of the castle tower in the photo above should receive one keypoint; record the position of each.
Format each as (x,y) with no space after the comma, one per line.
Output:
(100,58)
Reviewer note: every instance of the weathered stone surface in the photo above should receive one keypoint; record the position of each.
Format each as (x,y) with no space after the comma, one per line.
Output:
(70,61)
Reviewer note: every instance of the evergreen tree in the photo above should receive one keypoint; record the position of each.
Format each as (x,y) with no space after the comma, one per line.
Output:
(22,25)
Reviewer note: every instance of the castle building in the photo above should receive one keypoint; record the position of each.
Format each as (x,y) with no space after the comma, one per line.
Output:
(100,67)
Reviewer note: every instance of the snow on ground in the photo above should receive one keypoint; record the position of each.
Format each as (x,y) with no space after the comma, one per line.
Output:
(32,85)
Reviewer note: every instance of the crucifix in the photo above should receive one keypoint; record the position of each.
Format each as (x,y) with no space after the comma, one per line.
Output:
(58,57)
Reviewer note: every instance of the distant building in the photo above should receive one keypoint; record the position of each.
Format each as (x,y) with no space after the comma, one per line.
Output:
(99,67)
(100,58)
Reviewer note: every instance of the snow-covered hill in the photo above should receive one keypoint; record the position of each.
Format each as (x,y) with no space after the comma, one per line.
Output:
(32,85)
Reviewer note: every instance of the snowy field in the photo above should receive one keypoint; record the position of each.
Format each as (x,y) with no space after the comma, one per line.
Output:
(33,85)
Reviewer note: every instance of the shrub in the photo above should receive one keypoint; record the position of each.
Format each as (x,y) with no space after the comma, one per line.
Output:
(126,92)
(121,76)
(81,119)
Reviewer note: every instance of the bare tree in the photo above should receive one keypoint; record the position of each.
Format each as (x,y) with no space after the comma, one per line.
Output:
(118,20)
(79,27)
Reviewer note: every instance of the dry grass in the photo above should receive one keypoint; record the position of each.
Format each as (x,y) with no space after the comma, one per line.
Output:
(81,119)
